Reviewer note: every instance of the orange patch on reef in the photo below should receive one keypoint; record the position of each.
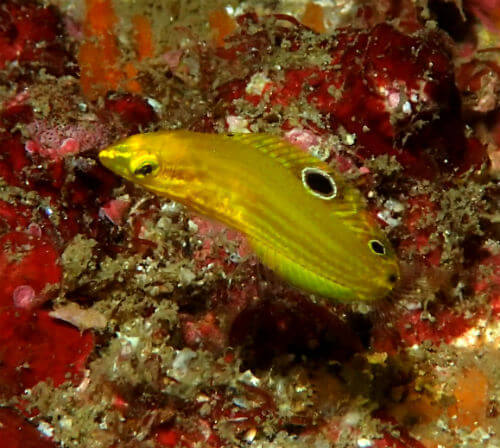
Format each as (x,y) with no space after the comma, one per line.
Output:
(429,443)
(132,85)
(143,37)
(471,394)
(98,68)
(100,18)
(417,407)
(222,25)
(314,17)
(99,56)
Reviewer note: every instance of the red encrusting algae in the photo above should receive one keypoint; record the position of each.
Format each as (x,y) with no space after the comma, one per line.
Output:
(36,347)
(21,264)
(31,36)
(377,91)
(15,432)
(190,341)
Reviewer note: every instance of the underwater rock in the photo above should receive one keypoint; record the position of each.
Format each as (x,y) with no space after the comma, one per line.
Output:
(180,338)
(389,92)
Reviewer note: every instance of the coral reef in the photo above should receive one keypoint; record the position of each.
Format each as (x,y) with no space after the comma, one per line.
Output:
(127,320)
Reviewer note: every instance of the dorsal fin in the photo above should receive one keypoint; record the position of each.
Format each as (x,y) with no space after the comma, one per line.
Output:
(278,148)
(349,202)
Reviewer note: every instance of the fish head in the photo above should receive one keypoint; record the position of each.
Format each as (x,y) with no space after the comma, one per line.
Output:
(130,159)
(141,158)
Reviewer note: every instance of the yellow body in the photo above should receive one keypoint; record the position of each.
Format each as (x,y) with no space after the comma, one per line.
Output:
(302,219)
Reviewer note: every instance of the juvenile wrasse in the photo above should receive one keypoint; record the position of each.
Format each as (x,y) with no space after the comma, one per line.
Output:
(300,216)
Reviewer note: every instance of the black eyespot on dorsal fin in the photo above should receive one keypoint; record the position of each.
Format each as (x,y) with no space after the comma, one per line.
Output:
(377,247)
(319,182)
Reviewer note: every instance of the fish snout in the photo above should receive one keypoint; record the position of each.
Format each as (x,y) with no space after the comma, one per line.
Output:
(116,158)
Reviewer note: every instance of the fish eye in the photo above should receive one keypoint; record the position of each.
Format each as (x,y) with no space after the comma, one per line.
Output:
(144,169)
(319,183)
(144,166)
(376,247)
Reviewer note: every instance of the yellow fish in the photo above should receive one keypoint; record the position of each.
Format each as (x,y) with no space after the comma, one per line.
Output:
(301,218)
